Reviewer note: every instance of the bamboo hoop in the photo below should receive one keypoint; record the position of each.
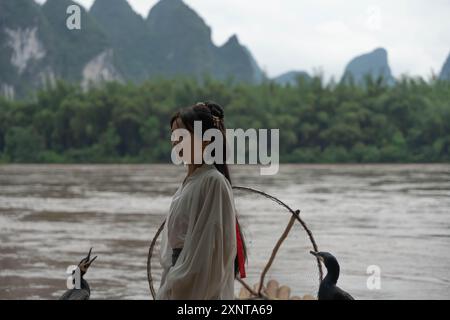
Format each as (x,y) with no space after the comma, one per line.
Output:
(259,294)
(149,260)
(296,214)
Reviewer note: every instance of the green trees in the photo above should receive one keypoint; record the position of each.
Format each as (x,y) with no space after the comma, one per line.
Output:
(320,123)
(23,145)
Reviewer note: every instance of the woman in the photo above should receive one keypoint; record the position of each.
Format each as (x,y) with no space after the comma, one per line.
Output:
(202,249)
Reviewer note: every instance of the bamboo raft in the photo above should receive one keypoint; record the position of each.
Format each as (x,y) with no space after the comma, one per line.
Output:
(272,290)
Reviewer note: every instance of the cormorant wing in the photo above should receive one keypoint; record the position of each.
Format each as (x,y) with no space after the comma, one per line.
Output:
(340,294)
(76,294)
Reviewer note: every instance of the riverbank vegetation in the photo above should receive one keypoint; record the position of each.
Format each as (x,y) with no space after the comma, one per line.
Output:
(318,122)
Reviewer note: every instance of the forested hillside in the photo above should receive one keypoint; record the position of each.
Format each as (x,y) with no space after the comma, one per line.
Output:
(405,122)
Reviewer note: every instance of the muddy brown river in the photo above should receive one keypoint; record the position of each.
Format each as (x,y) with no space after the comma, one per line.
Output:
(395,218)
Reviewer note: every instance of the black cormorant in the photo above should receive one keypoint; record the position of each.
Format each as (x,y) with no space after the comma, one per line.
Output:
(328,289)
(85,291)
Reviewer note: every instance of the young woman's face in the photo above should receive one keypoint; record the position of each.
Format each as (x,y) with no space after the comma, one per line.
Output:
(178,124)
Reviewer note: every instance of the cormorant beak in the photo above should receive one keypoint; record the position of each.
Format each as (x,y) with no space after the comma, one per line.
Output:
(88,259)
(89,255)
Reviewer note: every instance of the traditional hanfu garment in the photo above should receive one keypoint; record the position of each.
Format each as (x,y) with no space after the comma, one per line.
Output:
(201,221)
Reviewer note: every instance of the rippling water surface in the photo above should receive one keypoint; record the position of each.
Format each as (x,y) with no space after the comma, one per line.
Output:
(395,217)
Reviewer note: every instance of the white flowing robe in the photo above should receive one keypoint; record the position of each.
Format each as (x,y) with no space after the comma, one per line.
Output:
(202,221)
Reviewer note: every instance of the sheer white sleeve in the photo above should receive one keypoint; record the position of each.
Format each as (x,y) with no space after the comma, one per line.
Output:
(205,266)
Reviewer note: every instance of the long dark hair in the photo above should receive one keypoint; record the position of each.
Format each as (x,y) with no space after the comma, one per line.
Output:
(211,116)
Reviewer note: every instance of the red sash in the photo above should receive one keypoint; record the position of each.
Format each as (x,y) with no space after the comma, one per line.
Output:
(240,252)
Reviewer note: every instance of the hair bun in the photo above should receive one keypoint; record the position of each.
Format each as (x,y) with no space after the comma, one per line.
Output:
(215,109)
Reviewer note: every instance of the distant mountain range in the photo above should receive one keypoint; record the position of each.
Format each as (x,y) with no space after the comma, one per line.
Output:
(445,73)
(291,77)
(116,43)
(374,63)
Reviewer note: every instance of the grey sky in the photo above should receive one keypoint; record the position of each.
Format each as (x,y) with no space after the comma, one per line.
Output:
(311,35)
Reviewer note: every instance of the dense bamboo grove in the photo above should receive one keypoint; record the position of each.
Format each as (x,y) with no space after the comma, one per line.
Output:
(319,123)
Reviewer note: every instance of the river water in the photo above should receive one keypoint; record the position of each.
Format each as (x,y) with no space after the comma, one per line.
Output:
(392,218)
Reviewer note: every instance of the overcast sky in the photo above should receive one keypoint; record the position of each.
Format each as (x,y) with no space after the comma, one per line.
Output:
(312,35)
